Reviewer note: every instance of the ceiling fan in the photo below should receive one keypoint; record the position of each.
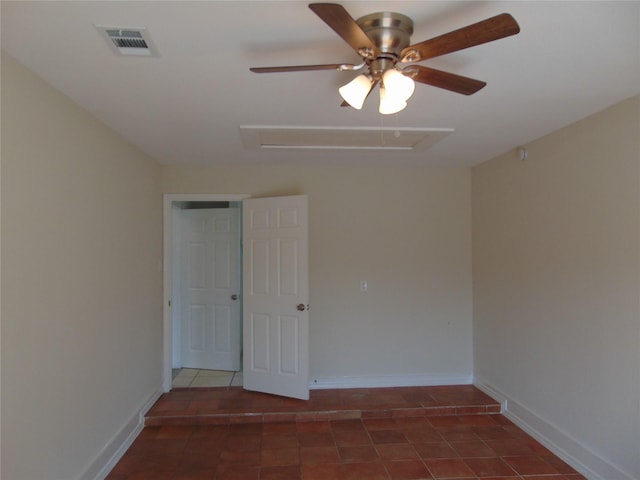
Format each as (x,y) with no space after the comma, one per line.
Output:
(383,41)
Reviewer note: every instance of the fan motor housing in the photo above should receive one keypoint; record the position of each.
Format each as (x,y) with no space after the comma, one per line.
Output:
(390,31)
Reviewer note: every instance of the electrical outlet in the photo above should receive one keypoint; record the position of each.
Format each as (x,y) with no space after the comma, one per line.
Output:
(363,286)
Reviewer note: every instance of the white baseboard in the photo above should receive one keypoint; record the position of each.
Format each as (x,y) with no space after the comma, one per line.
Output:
(563,445)
(113,451)
(497,396)
(381,381)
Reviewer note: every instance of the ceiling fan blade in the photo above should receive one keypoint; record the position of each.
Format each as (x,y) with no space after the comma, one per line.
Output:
(446,80)
(304,68)
(344,25)
(488,30)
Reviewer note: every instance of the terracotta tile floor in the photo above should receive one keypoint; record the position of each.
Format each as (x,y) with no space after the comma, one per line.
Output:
(392,438)
(212,406)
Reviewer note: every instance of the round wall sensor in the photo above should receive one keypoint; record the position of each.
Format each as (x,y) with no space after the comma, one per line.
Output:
(522,153)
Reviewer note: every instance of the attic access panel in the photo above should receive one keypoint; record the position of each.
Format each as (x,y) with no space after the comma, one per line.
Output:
(256,137)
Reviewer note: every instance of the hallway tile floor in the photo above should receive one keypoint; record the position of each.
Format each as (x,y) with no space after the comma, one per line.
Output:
(197,378)
(391,439)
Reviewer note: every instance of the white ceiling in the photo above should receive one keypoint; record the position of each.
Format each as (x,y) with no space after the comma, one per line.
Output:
(570,59)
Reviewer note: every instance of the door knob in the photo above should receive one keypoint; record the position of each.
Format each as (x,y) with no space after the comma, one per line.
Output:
(301,307)
(234,297)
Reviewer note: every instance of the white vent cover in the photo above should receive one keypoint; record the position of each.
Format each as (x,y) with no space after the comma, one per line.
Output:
(129,41)
(340,138)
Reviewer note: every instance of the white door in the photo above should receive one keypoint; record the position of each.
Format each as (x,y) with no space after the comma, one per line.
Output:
(275,284)
(210,289)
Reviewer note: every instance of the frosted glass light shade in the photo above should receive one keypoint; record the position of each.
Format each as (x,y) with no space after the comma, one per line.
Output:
(355,92)
(390,103)
(398,85)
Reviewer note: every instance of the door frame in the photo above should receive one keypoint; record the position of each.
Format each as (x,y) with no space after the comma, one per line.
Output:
(167,269)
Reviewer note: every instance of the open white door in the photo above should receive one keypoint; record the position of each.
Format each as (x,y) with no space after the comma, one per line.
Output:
(275,284)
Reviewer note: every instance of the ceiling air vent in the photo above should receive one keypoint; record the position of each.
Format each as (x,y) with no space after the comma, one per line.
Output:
(257,137)
(129,41)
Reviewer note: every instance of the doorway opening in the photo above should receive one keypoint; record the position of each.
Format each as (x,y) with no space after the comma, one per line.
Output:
(202,291)
(274,299)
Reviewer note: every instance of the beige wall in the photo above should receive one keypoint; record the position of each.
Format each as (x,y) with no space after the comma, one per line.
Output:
(556,275)
(406,231)
(81,291)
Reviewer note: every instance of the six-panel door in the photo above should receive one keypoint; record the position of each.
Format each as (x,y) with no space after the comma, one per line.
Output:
(275,284)
(210,284)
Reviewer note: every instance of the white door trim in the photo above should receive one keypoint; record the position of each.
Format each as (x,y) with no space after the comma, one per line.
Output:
(167,322)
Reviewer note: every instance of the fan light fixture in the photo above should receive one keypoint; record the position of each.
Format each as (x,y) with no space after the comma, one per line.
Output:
(355,92)
(390,103)
(395,90)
